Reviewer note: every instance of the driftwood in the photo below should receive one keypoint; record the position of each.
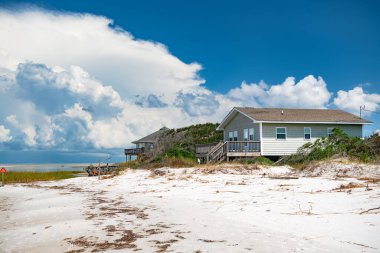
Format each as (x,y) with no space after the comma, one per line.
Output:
(100,169)
(283,177)
(369,210)
(279,160)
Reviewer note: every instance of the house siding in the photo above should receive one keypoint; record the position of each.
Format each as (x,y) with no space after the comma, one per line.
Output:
(295,136)
(240,122)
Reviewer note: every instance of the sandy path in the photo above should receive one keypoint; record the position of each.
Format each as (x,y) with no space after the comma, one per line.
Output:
(186,212)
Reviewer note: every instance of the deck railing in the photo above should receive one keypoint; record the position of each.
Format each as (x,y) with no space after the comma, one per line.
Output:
(133,151)
(217,152)
(204,148)
(243,146)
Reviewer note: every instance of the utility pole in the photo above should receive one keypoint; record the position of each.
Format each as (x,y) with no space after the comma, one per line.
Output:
(362,108)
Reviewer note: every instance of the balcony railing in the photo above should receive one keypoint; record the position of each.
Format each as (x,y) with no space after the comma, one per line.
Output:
(134,151)
(243,146)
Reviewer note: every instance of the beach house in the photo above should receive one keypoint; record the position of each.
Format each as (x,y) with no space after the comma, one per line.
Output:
(274,132)
(144,144)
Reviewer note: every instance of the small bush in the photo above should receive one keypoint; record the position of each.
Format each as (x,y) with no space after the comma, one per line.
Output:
(179,162)
(260,160)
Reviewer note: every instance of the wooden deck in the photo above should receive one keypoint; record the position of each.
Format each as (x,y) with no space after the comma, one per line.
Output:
(217,152)
(134,151)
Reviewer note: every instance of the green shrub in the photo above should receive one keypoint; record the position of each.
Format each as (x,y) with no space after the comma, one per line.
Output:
(338,144)
(175,162)
(178,152)
(260,160)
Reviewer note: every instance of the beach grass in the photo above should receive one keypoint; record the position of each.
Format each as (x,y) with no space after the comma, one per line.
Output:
(32,176)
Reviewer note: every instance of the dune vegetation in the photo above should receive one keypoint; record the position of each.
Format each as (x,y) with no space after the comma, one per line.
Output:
(336,146)
(32,176)
(176,148)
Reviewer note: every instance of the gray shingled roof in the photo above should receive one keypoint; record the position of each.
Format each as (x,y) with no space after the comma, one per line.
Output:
(301,115)
(151,138)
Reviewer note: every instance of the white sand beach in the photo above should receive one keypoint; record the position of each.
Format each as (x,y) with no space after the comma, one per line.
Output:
(187,210)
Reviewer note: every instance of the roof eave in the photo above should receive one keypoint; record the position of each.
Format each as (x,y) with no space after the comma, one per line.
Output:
(254,121)
(221,125)
(318,122)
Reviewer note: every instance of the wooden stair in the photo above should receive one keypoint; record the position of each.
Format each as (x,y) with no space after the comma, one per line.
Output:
(218,153)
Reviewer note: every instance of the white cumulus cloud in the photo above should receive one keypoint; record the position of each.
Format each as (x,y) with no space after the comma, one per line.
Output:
(352,100)
(310,92)
(111,55)
(5,134)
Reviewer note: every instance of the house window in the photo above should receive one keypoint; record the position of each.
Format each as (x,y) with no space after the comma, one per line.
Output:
(231,136)
(235,135)
(251,134)
(329,131)
(307,133)
(281,133)
(246,134)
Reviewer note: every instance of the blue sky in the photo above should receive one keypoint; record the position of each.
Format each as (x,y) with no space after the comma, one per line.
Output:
(183,63)
(256,40)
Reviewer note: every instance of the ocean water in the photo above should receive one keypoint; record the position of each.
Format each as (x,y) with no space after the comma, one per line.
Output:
(45,167)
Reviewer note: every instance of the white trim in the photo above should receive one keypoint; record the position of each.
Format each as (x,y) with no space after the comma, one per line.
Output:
(244,134)
(230,136)
(261,138)
(237,135)
(332,128)
(286,133)
(315,122)
(253,133)
(304,134)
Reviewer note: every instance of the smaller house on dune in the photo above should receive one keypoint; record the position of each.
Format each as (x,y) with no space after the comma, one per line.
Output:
(250,132)
(144,144)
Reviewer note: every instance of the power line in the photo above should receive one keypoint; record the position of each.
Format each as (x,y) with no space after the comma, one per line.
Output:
(362,108)
(377,112)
